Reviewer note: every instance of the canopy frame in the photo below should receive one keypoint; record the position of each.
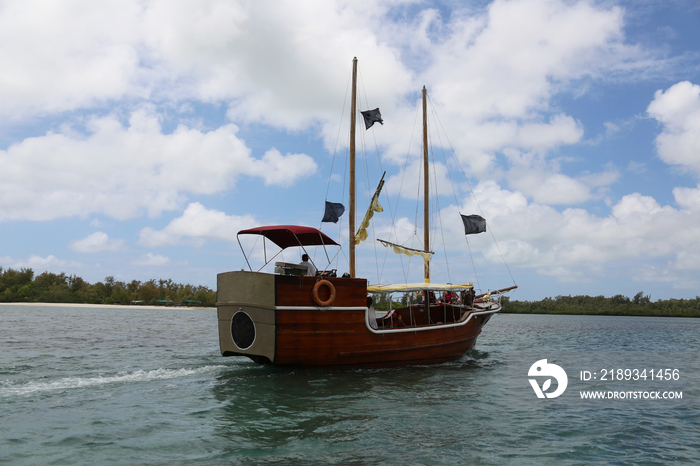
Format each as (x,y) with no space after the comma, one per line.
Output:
(286,236)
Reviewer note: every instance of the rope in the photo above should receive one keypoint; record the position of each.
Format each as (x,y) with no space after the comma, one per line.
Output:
(476,201)
(438,213)
(405,269)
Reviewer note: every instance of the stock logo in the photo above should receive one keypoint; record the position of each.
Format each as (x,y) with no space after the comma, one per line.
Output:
(542,369)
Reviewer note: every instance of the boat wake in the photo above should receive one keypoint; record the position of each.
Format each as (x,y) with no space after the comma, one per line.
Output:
(8,389)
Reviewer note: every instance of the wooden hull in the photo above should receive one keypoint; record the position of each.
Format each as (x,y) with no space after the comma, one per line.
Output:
(274,319)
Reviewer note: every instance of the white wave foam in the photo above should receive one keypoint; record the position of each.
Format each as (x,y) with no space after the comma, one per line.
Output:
(82,382)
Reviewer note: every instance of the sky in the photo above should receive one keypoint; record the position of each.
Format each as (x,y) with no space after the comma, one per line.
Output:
(138,137)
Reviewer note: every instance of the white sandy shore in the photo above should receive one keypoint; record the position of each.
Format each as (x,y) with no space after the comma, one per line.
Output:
(105,306)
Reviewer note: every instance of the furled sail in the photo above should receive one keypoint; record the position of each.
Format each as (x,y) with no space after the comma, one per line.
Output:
(374,206)
(406,287)
(398,249)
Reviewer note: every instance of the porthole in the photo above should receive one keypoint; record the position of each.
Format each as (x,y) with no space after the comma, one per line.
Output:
(242,330)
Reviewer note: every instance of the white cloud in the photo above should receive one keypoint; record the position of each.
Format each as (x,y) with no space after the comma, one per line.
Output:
(540,237)
(96,242)
(409,182)
(687,260)
(678,109)
(546,187)
(211,51)
(217,50)
(126,171)
(152,259)
(40,264)
(57,56)
(282,66)
(539,43)
(562,129)
(283,170)
(549,188)
(197,225)
(637,167)
(489,104)
(688,198)
(605,178)
(572,245)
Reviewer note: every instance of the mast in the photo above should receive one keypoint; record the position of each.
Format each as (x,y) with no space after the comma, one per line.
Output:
(353,110)
(426,190)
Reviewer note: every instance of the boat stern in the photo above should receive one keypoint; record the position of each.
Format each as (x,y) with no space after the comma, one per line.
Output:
(246,312)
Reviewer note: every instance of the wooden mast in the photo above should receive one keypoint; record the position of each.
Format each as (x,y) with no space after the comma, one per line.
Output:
(426,190)
(353,110)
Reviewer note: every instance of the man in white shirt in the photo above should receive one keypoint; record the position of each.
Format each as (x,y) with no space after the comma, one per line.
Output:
(311,269)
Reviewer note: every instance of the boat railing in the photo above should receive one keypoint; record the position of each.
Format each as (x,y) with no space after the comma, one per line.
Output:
(386,323)
(414,315)
(392,319)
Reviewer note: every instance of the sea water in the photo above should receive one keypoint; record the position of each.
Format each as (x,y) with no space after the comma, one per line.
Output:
(128,385)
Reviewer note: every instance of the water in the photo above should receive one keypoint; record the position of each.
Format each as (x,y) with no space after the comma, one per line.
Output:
(81,385)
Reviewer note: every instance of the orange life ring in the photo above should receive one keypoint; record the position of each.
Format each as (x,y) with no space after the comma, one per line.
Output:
(331,288)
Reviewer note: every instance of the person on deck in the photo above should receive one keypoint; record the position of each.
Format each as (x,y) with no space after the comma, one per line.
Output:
(371,314)
(432,298)
(310,268)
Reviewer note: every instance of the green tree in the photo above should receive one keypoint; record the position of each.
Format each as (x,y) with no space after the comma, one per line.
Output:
(12,277)
(148,292)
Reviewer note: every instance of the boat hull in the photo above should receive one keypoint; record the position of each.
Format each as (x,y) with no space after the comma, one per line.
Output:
(275,319)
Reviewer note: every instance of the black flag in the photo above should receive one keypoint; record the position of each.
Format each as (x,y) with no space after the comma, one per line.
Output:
(333,212)
(371,117)
(473,224)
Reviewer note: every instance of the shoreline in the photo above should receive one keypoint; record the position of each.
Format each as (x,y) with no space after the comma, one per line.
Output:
(600,314)
(127,306)
(103,306)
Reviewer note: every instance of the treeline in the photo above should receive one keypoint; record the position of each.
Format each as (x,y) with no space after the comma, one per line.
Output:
(22,286)
(618,305)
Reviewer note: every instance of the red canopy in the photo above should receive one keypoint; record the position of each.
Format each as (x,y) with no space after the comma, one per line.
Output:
(286,236)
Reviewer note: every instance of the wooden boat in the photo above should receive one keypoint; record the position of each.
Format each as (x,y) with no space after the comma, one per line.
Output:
(290,318)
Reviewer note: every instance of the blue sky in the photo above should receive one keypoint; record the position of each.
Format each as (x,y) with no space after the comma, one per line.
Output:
(137,137)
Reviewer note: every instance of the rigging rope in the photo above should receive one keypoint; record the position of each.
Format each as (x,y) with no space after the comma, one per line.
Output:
(472,193)
(438,213)
(345,174)
(369,184)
